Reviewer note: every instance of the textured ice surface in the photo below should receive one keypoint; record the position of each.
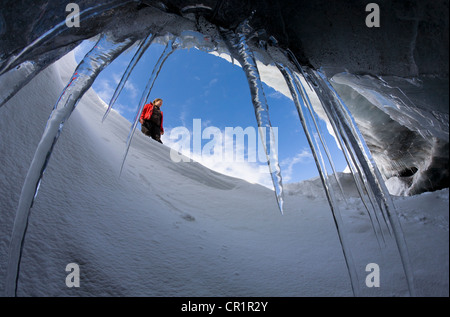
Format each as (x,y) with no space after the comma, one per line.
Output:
(405,124)
(175,242)
(103,53)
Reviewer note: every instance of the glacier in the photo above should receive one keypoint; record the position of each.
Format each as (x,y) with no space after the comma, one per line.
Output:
(414,162)
(175,242)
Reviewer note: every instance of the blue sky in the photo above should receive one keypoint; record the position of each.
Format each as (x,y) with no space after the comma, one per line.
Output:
(198,85)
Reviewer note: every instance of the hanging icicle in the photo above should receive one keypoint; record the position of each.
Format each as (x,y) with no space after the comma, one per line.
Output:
(103,53)
(351,159)
(238,46)
(296,91)
(58,29)
(373,181)
(307,103)
(145,43)
(54,32)
(171,46)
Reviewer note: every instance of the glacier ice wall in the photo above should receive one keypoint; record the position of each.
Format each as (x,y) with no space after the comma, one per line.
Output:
(405,124)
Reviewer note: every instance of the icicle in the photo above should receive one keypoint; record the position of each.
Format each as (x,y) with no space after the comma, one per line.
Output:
(375,184)
(297,96)
(169,49)
(240,50)
(103,53)
(350,161)
(308,104)
(58,29)
(362,184)
(137,56)
(353,141)
(360,181)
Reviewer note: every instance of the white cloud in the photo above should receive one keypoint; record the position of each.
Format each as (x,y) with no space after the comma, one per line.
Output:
(304,156)
(184,110)
(122,109)
(129,86)
(212,82)
(253,172)
(207,88)
(105,89)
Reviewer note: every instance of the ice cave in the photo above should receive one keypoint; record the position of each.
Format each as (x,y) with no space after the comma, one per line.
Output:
(73,170)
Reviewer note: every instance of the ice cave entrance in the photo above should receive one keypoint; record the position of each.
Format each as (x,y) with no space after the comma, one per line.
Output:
(212,89)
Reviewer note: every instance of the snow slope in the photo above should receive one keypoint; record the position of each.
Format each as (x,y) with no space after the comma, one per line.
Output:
(180,229)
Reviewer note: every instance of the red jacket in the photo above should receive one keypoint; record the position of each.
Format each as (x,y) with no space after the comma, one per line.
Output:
(147,113)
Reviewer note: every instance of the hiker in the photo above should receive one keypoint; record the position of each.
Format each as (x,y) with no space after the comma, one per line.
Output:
(152,120)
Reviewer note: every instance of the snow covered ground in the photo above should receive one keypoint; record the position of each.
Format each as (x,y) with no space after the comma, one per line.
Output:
(179,229)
